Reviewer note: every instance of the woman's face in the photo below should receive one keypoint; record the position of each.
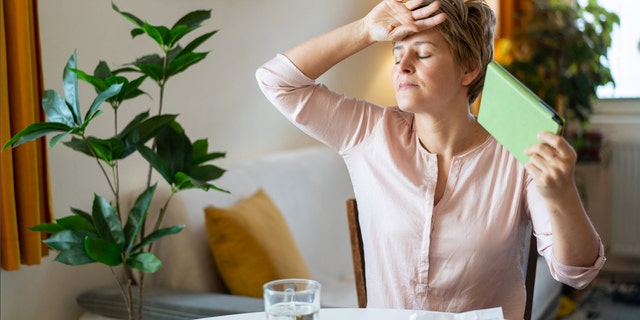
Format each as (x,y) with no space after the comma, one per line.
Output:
(425,75)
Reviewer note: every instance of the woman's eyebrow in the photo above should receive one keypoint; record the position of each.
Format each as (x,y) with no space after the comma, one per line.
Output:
(416,43)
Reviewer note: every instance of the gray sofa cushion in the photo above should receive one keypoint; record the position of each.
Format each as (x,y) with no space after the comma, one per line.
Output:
(168,304)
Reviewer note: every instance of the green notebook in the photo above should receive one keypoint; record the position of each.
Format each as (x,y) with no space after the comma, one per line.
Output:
(513,114)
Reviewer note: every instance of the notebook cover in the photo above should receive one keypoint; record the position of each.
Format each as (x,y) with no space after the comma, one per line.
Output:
(513,114)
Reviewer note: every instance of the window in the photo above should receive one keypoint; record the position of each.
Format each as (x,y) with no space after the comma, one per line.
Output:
(624,54)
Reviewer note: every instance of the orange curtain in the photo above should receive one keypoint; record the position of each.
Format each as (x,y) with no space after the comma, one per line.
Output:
(25,198)
(510,14)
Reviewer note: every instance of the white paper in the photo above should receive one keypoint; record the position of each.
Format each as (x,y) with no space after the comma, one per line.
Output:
(482,314)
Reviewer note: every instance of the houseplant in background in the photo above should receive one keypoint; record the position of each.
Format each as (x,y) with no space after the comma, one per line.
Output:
(107,234)
(559,49)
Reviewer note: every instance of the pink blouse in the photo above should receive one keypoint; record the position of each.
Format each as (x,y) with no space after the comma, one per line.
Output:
(465,253)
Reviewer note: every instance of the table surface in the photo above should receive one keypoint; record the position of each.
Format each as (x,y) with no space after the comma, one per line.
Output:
(348,314)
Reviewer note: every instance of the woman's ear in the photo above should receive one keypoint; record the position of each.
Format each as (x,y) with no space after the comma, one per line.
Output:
(470,75)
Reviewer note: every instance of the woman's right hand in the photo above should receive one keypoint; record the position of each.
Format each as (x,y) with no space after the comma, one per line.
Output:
(394,20)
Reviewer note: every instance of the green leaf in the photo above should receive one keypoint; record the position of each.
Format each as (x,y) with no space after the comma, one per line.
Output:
(65,239)
(104,95)
(56,108)
(145,262)
(174,148)
(146,130)
(183,62)
(82,214)
(183,182)
(77,223)
(157,235)
(70,87)
(74,256)
(206,172)
(131,89)
(102,71)
(177,33)
(97,83)
(197,42)
(156,162)
(107,150)
(61,136)
(47,228)
(193,19)
(79,145)
(200,155)
(137,217)
(135,20)
(35,131)
(103,251)
(160,34)
(107,222)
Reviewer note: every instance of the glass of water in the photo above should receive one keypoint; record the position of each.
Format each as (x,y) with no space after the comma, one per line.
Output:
(292,299)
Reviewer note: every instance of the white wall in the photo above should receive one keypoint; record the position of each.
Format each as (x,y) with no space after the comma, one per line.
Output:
(219,99)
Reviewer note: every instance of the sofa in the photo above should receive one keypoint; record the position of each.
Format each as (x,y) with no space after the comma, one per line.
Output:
(309,187)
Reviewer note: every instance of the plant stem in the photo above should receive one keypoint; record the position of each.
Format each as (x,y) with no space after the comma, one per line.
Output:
(99,164)
(127,297)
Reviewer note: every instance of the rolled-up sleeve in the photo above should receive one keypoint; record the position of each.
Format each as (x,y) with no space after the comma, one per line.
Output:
(575,276)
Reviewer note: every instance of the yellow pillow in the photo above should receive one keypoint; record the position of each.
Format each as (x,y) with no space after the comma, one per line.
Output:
(252,245)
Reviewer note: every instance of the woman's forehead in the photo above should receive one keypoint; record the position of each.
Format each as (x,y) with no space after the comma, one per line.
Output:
(427,37)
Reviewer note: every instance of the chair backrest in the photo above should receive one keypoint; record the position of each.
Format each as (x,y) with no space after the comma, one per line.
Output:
(357,252)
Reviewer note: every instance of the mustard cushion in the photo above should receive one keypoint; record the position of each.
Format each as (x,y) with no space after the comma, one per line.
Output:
(252,244)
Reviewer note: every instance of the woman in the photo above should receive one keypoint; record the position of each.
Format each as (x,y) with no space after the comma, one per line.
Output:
(444,208)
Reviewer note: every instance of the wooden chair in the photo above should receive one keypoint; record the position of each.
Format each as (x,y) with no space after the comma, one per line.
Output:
(357,252)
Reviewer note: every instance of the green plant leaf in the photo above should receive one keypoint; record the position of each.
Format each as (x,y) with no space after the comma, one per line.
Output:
(79,145)
(131,89)
(103,251)
(183,62)
(137,217)
(156,162)
(160,34)
(197,42)
(176,33)
(61,136)
(135,20)
(77,223)
(183,181)
(70,88)
(96,82)
(56,108)
(109,149)
(145,262)
(65,239)
(35,131)
(206,172)
(47,228)
(174,148)
(107,222)
(146,130)
(82,214)
(157,235)
(74,256)
(104,95)
(200,152)
(193,19)
(102,71)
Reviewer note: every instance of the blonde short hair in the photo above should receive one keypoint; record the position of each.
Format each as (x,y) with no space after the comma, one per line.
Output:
(469,30)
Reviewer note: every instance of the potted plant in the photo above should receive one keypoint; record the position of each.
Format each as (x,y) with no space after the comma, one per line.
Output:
(107,234)
(559,50)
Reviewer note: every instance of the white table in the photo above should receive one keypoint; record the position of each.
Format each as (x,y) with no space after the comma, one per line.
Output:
(351,314)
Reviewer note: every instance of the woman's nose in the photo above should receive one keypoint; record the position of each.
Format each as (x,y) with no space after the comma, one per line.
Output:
(405,65)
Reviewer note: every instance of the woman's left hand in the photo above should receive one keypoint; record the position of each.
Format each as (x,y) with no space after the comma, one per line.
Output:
(552,166)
